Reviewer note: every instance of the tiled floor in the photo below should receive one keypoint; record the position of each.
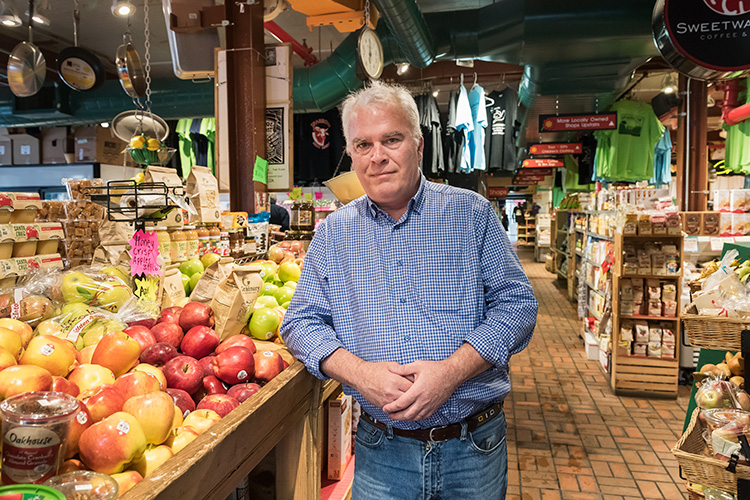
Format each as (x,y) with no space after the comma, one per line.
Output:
(569,436)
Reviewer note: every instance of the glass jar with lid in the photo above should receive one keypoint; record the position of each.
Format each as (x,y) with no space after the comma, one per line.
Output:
(214,238)
(165,244)
(306,220)
(178,245)
(204,240)
(192,242)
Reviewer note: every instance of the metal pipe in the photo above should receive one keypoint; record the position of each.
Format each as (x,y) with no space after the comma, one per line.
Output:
(281,35)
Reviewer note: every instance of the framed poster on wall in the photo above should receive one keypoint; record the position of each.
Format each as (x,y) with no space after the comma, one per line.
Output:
(278,117)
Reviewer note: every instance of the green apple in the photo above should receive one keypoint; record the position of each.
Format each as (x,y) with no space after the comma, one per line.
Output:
(291,284)
(191,266)
(268,289)
(113,297)
(263,323)
(285,305)
(93,335)
(116,272)
(268,271)
(78,287)
(72,313)
(284,294)
(186,283)
(209,259)
(194,280)
(265,301)
(289,271)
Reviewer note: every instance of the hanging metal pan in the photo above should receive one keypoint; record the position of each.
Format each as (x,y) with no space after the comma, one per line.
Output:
(130,70)
(78,68)
(26,65)
(128,124)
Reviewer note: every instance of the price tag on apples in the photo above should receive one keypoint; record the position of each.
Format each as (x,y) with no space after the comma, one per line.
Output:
(144,254)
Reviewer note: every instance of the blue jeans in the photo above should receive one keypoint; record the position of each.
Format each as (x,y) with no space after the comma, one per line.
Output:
(389,467)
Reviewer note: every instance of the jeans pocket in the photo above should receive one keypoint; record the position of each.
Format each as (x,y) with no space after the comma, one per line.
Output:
(368,435)
(489,437)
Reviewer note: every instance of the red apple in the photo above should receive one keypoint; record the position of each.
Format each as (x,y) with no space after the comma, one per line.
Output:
(154,372)
(84,355)
(199,341)
(110,445)
(237,340)
(60,384)
(183,372)
(235,365)
(169,333)
(220,403)
(136,384)
(286,364)
(182,400)
(213,385)
(207,363)
(117,351)
(170,315)
(54,354)
(158,354)
(102,401)
(196,314)
(148,323)
(155,412)
(89,376)
(242,392)
(142,335)
(23,378)
(268,364)
(80,423)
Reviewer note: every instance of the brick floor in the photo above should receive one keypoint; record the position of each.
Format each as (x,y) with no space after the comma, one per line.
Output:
(569,437)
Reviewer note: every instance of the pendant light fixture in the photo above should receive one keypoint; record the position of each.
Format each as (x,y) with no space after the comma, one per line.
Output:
(8,15)
(122,8)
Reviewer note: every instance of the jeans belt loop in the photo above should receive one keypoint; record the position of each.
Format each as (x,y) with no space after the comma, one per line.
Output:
(464,430)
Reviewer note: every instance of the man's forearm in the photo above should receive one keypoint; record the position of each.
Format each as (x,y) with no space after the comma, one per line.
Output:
(343,367)
(466,363)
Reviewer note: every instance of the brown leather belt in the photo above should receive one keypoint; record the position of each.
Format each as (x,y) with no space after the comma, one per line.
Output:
(441,432)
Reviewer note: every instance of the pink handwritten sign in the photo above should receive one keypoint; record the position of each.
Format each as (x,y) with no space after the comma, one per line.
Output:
(144,254)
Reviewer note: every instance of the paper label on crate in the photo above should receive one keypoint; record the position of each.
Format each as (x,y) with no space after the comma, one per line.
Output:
(690,244)
(25,150)
(144,254)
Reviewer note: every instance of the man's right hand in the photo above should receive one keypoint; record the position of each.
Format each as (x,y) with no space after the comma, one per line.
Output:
(374,381)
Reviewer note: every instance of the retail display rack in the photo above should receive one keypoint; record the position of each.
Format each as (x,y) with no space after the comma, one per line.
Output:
(543,236)
(527,232)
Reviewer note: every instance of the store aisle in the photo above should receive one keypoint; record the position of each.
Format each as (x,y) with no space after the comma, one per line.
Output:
(569,436)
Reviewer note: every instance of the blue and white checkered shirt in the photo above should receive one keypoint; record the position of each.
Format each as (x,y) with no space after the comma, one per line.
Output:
(414,289)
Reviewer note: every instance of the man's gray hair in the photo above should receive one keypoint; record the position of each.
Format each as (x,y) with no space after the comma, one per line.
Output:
(383,94)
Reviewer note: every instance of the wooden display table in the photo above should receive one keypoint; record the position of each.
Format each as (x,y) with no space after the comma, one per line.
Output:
(283,415)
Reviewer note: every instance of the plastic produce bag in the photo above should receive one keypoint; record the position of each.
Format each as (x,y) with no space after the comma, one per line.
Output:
(724,428)
(715,392)
(725,278)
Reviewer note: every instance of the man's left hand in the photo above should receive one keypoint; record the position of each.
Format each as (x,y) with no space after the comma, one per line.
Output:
(432,387)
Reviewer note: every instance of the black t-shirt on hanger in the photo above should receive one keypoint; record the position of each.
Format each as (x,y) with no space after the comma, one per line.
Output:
(429,121)
(586,159)
(318,146)
(499,144)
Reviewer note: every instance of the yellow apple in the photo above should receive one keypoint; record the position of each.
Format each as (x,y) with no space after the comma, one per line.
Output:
(201,420)
(152,458)
(178,418)
(88,376)
(113,296)
(49,327)
(181,437)
(6,359)
(154,371)
(116,272)
(155,412)
(23,378)
(78,287)
(21,328)
(93,335)
(56,355)
(11,341)
(126,480)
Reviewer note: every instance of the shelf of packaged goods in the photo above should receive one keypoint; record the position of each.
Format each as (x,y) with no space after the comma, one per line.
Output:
(598,292)
(652,236)
(600,236)
(594,314)
(654,318)
(660,276)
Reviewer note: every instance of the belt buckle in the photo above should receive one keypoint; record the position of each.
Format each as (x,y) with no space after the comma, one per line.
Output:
(433,430)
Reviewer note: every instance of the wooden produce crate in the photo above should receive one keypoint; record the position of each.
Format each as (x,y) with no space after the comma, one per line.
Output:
(654,377)
(279,416)
(701,468)
(711,332)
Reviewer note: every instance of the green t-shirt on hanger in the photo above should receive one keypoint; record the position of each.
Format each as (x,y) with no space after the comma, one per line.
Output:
(737,152)
(185,149)
(208,129)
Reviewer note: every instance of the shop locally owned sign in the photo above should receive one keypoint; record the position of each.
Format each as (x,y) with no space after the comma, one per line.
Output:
(559,148)
(565,123)
(542,163)
(704,39)
(497,192)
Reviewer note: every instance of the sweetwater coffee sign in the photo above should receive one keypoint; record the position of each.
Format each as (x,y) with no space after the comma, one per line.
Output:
(704,39)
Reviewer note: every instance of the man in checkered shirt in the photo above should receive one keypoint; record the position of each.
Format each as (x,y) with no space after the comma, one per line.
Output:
(413,298)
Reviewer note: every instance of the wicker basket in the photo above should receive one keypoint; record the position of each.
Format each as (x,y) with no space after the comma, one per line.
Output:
(700,468)
(711,332)
(694,494)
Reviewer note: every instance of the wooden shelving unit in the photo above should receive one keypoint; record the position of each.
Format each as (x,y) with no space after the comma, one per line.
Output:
(638,375)
(527,233)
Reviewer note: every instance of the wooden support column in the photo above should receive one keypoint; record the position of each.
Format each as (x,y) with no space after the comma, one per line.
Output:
(246,101)
(680,138)
(697,130)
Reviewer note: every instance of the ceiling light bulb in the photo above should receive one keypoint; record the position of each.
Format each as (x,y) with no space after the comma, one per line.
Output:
(668,90)
(122,8)
(402,68)
(435,94)
(10,21)
(104,124)
(40,19)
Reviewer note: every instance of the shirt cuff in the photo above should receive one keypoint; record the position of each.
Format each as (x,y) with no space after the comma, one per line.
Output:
(318,355)
(485,342)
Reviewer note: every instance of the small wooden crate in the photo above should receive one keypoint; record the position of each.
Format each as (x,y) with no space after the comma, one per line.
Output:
(654,377)
(711,332)
(700,468)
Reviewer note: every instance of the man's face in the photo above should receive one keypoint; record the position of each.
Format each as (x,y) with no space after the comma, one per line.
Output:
(385,155)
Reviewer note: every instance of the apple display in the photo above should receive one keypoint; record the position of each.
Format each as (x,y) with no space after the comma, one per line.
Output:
(23,378)
(136,384)
(142,335)
(183,372)
(240,340)
(169,333)
(283,295)
(88,376)
(241,392)
(110,445)
(265,301)
(152,458)
(170,315)
(60,384)
(21,328)
(196,314)
(159,354)
(155,412)
(207,363)
(220,403)
(264,323)
(102,401)
(182,400)
(199,341)
(117,351)
(268,364)
(154,372)
(80,423)
(201,420)
(126,480)
(11,341)
(234,365)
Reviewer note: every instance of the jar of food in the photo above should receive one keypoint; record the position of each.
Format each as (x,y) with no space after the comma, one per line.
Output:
(306,238)
(236,242)
(35,426)
(178,246)
(214,238)
(192,242)
(204,240)
(306,216)
(165,244)
(294,215)
(224,248)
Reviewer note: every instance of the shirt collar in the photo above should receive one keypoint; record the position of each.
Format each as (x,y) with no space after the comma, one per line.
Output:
(415,203)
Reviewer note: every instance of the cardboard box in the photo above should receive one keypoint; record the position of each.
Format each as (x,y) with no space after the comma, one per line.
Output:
(97,144)
(25,149)
(55,144)
(710,225)
(6,150)
(339,435)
